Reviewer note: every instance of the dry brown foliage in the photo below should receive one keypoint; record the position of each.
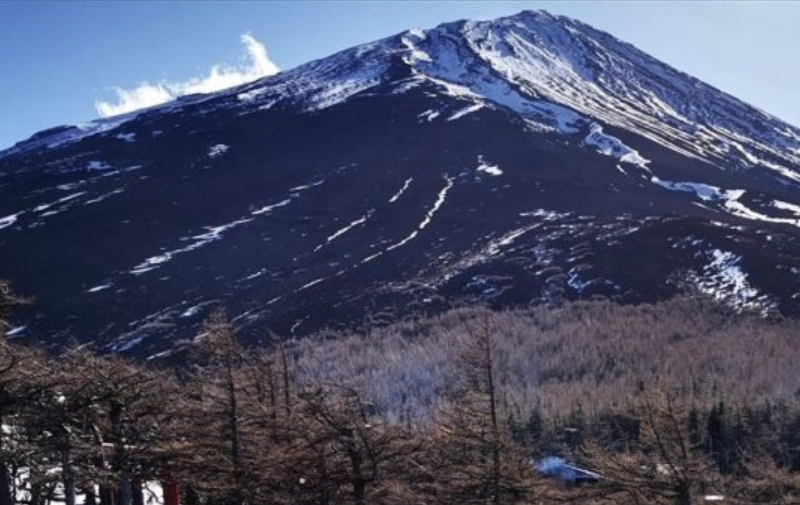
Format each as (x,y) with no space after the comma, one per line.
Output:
(596,354)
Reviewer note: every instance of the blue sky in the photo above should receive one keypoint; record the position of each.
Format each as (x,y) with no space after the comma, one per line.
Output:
(60,59)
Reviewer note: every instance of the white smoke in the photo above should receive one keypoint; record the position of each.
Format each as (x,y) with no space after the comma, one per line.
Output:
(219,77)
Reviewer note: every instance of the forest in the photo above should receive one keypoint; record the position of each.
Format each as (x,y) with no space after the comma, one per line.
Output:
(679,402)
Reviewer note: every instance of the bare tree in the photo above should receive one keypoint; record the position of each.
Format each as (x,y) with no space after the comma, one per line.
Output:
(764,482)
(665,467)
(220,417)
(356,458)
(479,463)
(19,371)
(16,392)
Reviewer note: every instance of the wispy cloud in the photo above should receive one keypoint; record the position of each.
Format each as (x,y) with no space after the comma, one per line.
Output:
(219,77)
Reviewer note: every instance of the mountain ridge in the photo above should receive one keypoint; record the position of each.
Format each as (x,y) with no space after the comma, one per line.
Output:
(523,160)
(542,21)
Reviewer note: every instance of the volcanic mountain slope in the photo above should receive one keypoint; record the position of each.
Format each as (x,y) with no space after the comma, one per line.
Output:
(521,160)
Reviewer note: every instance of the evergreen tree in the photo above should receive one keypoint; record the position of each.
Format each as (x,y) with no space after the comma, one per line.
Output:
(479,462)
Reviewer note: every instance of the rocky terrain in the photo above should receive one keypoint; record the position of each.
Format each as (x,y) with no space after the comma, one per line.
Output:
(522,160)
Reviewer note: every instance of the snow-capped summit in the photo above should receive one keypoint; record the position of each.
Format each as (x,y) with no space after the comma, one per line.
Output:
(526,159)
(556,71)
(553,70)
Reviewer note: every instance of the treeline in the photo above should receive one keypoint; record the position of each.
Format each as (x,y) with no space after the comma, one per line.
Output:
(586,355)
(240,426)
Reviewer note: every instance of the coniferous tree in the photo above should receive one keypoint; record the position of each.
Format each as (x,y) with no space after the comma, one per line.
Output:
(665,468)
(353,457)
(479,463)
(218,421)
(19,371)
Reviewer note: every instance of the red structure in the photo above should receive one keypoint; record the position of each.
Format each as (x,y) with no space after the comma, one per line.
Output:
(172,494)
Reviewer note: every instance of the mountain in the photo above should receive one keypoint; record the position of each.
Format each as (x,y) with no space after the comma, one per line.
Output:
(526,159)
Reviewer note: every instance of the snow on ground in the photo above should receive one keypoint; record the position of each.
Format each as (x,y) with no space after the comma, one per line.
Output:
(71,135)
(51,208)
(466,110)
(731,201)
(402,190)
(126,137)
(545,215)
(152,490)
(322,83)
(703,191)
(724,279)
(118,171)
(8,220)
(97,165)
(101,287)
(217,150)
(46,206)
(544,116)
(310,284)
(440,199)
(104,196)
(785,172)
(255,275)
(495,246)
(192,311)
(428,115)
(485,167)
(269,208)
(65,203)
(469,77)
(414,53)
(337,92)
(794,209)
(737,208)
(338,233)
(126,344)
(574,280)
(212,234)
(304,187)
(614,147)
(18,330)
(756,161)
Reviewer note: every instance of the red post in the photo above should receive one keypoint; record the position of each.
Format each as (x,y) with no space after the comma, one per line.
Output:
(172,494)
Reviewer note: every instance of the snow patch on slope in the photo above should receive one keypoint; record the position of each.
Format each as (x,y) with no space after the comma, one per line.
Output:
(466,110)
(440,199)
(487,168)
(338,233)
(101,287)
(97,165)
(269,208)
(212,234)
(614,147)
(402,190)
(217,150)
(724,279)
(731,201)
(738,208)
(705,192)
(126,137)
(428,115)
(7,221)
(794,209)
(459,73)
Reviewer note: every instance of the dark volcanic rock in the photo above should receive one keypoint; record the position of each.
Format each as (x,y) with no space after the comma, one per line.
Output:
(523,160)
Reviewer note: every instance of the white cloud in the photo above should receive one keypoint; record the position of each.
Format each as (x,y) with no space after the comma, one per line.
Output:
(146,95)
(219,77)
